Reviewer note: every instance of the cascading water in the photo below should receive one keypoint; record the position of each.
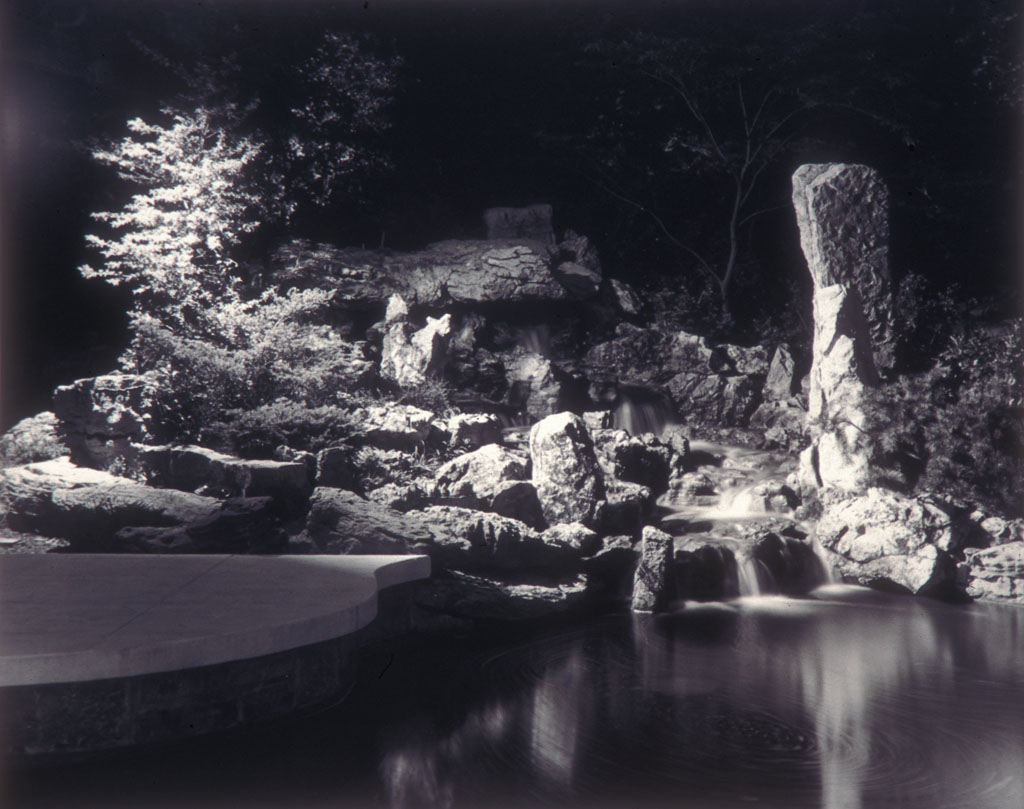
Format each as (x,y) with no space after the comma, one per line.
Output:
(640,410)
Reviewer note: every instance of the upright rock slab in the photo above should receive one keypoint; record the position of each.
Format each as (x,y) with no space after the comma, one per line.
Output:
(842,212)
(565,470)
(650,582)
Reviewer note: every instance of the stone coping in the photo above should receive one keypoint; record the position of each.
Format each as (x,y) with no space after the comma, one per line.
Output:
(79,617)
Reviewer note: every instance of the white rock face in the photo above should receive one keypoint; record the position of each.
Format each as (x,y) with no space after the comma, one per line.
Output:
(410,357)
(842,212)
(565,470)
(535,384)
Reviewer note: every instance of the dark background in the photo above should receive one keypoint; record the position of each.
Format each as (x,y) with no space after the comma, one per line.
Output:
(492,108)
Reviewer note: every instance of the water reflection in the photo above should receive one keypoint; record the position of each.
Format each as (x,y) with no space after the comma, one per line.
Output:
(849,700)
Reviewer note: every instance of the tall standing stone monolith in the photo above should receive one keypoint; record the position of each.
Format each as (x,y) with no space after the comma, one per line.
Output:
(842,211)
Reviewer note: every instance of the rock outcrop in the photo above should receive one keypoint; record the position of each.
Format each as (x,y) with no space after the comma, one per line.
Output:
(565,470)
(455,271)
(491,478)
(101,417)
(842,211)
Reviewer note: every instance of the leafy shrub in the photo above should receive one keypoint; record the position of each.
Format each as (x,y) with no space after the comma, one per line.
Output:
(271,359)
(962,421)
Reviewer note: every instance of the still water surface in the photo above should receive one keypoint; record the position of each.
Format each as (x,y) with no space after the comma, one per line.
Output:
(848,699)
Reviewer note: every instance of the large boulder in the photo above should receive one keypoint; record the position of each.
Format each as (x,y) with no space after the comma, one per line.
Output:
(342,522)
(531,222)
(565,470)
(101,417)
(884,537)
(651,580)
(467,539)
(454,271)
(995,574)
(491,478)
(634,459)
(410,356)
(32,440)
(91,509)
(843,217)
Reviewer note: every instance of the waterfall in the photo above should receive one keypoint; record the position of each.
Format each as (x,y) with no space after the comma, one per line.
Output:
(753,578)
(640,410)
(829,572)
(535,339)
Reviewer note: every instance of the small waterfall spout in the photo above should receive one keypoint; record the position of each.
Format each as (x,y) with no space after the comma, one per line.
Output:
(640,410)
(753,577)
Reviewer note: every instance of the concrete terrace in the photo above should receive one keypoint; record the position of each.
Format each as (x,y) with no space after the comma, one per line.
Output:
(78,617)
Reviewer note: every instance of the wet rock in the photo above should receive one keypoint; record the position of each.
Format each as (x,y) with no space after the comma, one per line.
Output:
(688,488)
(480,598)
(409,356)
(530,222)
(579,250)
(705,570)
(884,536)
(32,440)
(791,564)
(995,574)
(471,431)
(101,417)
(565,470)
(342,522)
(651,581)
(843,217)
(767,497)
(491,478)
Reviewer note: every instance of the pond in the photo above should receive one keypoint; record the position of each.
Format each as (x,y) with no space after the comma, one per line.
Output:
(846,699)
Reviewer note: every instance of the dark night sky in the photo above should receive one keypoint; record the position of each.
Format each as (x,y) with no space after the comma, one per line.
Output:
(480,80)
